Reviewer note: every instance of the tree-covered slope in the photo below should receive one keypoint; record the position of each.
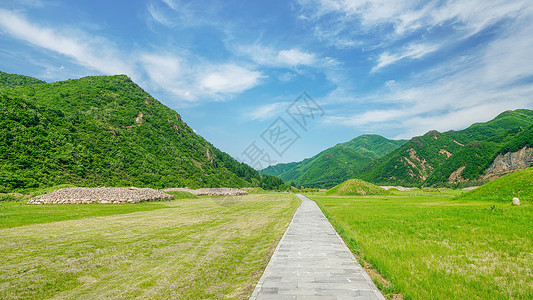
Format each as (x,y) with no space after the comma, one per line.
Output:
(452,157)
(336,164)
(103,130)
(11,80)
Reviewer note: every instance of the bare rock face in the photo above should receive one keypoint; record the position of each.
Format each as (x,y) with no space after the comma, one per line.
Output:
(100,195)
(511,160)
(516,201)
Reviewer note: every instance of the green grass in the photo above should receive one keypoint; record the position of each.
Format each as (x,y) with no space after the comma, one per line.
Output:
(430,246)
(188,249)
(518,184)
(14,214)
(356,187)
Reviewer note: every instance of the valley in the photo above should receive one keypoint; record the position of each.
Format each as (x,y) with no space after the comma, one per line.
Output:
(430,241)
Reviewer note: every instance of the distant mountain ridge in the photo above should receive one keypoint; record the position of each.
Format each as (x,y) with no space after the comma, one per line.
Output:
(336,164)
(453,157)
(103,131)
(477,154)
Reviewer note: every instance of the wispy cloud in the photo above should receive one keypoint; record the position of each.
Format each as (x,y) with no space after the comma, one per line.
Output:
(268,111)
(412,51)
(159,15)
(269,56)
(93,52)
(184,14)
(387,25)
(458,91)
(409,15)
(172,73)
(171,3)
(469,94)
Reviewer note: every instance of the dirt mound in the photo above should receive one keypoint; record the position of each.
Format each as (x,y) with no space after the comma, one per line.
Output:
(210,191)
(79,195)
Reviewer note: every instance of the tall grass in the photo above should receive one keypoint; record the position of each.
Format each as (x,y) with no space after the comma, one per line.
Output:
(430,246)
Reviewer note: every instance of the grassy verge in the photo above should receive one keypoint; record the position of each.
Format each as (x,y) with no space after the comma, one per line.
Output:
(430,246)
(189,249)
(13,214)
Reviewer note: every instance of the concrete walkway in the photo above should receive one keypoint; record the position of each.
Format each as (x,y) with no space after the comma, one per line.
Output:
(312,262)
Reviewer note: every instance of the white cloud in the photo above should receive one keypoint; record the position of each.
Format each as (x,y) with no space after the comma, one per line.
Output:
(382,23)
(410,15)
(268,56)
(267,111)
(412,51)
(188,82)
(184,77)
(158,15)
(294,57)
(171,3)
(167,72)
(183,14)
(92,52)
(228,79)
(457,92)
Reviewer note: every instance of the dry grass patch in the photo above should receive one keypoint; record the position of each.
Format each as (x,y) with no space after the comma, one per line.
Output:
(193,248)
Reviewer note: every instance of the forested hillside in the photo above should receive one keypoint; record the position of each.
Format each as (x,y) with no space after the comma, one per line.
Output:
(336,164)
(453,157)
(103,131)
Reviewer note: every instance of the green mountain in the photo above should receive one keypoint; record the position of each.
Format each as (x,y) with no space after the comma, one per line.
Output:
(103,131)
(336,164)
(455,157)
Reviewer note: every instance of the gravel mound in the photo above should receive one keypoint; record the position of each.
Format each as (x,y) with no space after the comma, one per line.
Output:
(80,195)
(210,191)
(470,188)
(399,188)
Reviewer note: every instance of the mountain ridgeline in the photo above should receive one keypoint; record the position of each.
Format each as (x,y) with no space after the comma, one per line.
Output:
(477,154)
(456,158)
(336,164)
(104,131)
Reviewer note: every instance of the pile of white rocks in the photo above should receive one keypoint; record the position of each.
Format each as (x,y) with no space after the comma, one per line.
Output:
(210,191)
(399,188)
(82,195)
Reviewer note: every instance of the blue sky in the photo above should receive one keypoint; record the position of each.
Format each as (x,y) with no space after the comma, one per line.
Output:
(232,68)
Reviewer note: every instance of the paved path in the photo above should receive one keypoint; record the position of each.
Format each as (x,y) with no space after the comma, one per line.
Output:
(312,262)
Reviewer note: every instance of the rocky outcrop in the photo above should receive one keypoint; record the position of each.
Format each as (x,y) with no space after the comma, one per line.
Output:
(139,118)
(456,175)
(417,167)
(445,152)
(210,191)
(100,195)
(511,161)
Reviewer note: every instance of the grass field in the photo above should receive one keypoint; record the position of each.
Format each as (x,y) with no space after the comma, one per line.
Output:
(430,246)
(189,248)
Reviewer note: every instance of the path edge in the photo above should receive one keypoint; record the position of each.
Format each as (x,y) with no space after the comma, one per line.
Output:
(259,284)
